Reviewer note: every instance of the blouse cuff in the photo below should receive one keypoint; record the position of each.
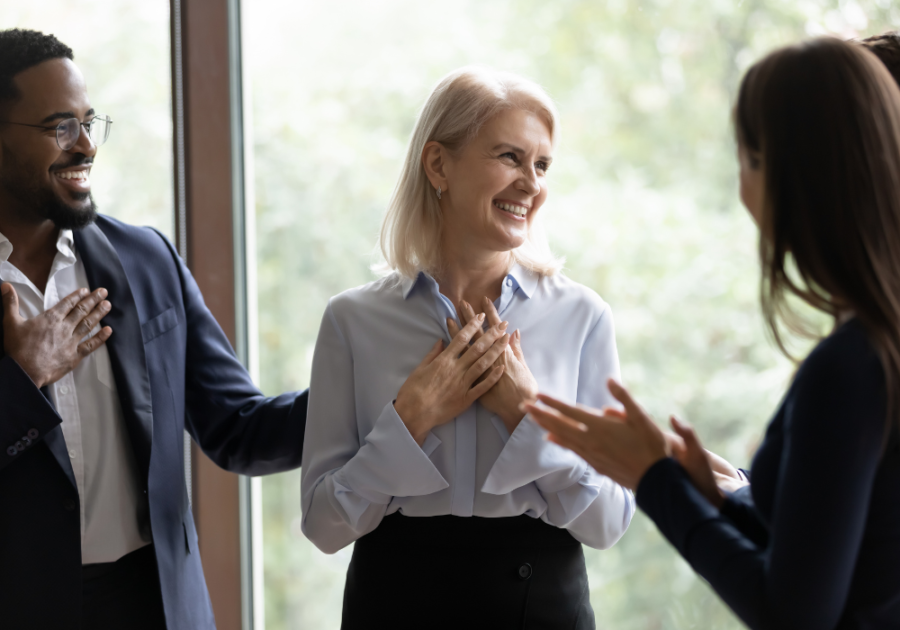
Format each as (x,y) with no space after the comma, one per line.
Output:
(527,457)
(390,463)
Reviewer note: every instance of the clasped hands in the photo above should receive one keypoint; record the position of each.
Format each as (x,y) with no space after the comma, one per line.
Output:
(624,443)
(484,365)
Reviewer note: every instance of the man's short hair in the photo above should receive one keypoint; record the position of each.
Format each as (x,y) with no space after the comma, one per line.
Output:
(21,49)
(887,48)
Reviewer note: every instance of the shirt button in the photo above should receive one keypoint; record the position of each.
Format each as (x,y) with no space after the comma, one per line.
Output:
(525,571)
(63,390)
(72,453)
(508,282)
(69,505)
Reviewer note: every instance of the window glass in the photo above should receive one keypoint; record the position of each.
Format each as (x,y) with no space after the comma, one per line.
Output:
(123,50)
(643,204)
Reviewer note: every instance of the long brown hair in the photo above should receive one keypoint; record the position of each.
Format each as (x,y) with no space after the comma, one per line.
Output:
(825,116)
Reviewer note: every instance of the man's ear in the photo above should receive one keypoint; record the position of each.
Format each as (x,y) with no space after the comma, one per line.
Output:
(434,156)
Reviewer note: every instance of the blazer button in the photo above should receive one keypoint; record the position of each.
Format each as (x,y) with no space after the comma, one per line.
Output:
(20,446)
(69,504)
(26,441)
(12,451)
(525,571)
(33,434)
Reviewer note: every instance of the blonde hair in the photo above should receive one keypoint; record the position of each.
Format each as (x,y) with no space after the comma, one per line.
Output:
(459,106)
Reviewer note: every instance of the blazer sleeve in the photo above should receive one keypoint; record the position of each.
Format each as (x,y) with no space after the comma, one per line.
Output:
(801,579)
(233,423)
(27,415)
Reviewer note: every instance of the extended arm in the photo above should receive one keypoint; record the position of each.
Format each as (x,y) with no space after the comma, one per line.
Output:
(834,413)
(236,426)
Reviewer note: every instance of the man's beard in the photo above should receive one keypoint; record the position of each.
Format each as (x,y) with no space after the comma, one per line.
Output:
(40,202)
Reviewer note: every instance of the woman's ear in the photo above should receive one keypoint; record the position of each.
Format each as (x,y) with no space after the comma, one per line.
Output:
(434,156)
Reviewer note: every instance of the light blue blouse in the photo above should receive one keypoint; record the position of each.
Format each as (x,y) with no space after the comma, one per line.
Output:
(360,462)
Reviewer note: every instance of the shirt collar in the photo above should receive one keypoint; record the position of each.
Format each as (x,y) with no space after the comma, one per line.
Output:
(408,284)
(65,245)
(5,248)
(523,279)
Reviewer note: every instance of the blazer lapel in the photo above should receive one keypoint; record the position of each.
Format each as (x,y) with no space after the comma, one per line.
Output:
(126,345)
(54,439)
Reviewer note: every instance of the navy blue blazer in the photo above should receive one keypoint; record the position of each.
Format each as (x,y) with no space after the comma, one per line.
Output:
(174,370)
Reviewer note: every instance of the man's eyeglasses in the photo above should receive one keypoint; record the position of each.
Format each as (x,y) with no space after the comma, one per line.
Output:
(69,130)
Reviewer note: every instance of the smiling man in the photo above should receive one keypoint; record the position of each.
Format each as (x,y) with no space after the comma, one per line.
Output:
(108,354)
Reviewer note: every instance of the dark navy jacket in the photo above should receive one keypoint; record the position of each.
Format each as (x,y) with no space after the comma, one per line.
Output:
(174,370)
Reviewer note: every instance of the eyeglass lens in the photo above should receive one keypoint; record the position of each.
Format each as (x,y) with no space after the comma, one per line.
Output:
(68,131)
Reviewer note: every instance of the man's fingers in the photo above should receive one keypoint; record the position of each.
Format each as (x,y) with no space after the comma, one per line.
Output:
(491,312)
(10,302)
(74,313)
(94,342)
(84,328)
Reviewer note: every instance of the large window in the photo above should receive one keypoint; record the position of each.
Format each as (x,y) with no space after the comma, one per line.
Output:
(643,204)
(123,50)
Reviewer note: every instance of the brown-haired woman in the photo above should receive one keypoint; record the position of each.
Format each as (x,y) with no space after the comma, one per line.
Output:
(818,128)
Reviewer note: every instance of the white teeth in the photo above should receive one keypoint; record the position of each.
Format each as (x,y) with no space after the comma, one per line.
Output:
(519,211)
(73,175)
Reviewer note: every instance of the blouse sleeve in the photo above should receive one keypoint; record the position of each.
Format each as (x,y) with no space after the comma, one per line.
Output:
(594,509)
(801,579)
(348,479)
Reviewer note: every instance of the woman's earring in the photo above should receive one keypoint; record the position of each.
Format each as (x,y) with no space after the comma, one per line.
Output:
(438,191)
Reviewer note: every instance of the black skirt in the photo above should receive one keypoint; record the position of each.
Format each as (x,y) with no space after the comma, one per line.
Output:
(455,572)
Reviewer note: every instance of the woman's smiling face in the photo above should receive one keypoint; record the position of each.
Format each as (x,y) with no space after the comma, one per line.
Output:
(497,183)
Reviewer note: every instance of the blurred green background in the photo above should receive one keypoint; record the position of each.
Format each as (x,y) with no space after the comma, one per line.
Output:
(643,204)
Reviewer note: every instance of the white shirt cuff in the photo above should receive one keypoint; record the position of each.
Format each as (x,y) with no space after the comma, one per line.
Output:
(390,464)
(527,457)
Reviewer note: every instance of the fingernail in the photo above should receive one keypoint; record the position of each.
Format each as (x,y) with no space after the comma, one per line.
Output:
(103,293)
(503,325)
(480,317)
(464,304)
(105,305)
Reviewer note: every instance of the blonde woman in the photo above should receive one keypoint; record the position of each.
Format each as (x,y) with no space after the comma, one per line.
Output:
(415,448)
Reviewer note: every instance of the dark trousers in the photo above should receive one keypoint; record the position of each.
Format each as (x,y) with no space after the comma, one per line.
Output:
(454,572)
(123,595)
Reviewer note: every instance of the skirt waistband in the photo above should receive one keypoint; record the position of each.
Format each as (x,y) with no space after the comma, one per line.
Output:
(461,532)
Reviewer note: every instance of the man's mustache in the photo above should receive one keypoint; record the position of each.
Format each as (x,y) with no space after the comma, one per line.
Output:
(78,160)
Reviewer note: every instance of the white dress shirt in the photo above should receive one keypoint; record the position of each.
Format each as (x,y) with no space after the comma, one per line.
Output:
(360,462)
(94,430)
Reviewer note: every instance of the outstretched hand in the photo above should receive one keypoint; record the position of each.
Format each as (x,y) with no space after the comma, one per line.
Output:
(51,345)
(696,461)
(516,384)
(621,444)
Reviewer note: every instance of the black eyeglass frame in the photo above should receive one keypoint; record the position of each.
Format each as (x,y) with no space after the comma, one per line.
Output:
(88,127)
